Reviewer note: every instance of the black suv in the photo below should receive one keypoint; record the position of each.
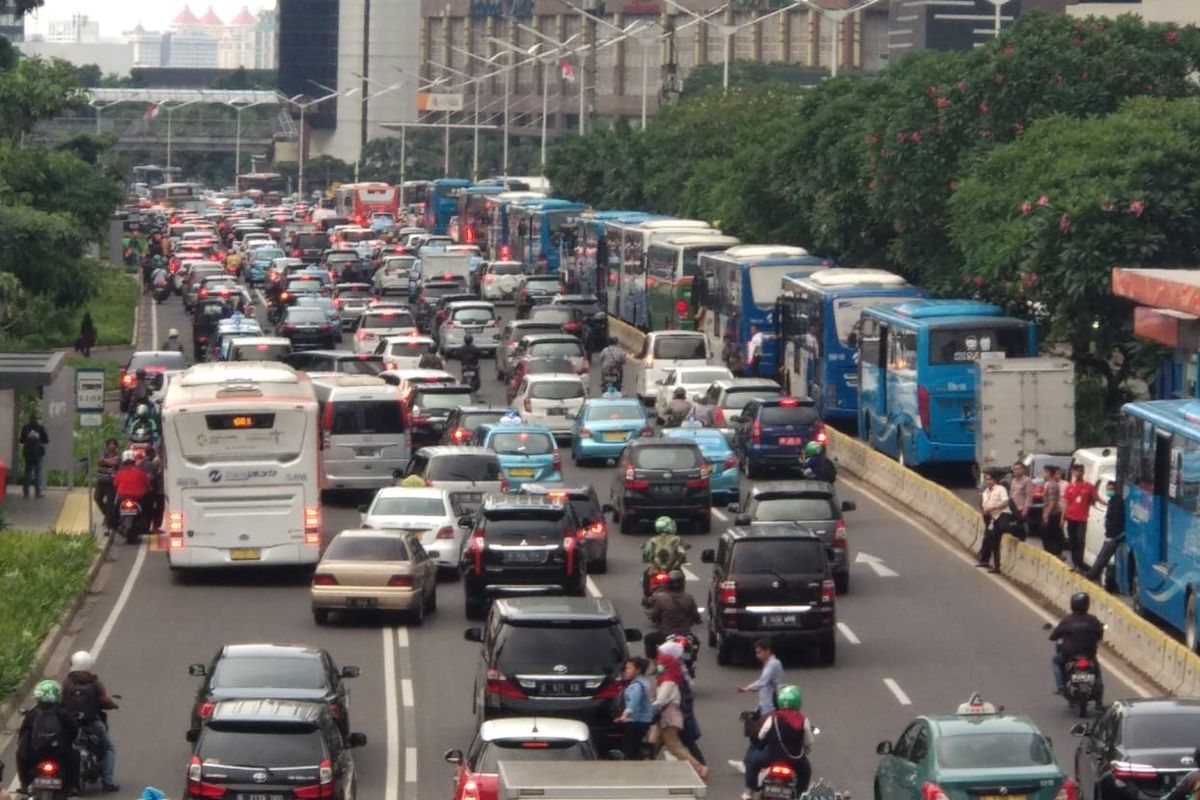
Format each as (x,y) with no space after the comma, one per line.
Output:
(1137,749)
(274,749)
(595,317)
(522,543)
(429,406)
(594,527)
(770,581)
(772,432)
(662,477)
(552,656)
(536,290)
(810,505)
(429,294)
(463,422)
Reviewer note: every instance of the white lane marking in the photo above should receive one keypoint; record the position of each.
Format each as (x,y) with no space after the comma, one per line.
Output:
(153,323)
(592,589)
(410,765)
(901,697)
(406,692)
(689,575)
(391,715)
(849,635)
(402,638)
(956,551)
(876,564)
(721,515)
(122,599)
(738,766)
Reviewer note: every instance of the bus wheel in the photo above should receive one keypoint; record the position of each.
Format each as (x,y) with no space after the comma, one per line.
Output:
(1189,625)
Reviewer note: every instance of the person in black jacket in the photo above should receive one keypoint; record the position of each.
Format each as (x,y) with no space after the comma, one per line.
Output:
(1114,530)
(33,452)
(1078,634)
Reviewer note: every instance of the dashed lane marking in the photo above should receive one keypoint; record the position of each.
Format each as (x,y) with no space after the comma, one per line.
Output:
(848,634)
(406,692)
(895,689)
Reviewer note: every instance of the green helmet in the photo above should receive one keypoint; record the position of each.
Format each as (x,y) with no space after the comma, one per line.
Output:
(788,697)
(813,449)
(47,692)
(664,525)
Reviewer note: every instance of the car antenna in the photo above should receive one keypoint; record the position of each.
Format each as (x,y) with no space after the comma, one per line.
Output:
(535,727)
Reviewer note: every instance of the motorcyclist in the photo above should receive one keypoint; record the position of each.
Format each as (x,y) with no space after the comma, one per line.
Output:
(143,420)
(612,364)
(131,481)
(1078,634)
(85,696)
(784,736)
(139,393)
(172,342)
(431,361)
(47,733)
(468,357)
(670,610)
(665,552)
(816,465)
(678,408)
(159,277)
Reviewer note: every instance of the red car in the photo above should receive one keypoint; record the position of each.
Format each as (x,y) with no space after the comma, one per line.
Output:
(516,739)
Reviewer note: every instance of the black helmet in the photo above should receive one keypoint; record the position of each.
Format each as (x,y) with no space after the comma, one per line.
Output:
(468,339)
(1080,603)
(141,373)
(675,581)
(613,341)
(681,392)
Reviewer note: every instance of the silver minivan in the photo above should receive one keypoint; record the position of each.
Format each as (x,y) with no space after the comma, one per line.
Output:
(362,431)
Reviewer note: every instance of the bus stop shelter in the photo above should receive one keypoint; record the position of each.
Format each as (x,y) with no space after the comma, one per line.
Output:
(21,371)
(1167,313)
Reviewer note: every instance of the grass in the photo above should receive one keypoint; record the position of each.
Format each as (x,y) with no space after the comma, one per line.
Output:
(42,574)
(112,309)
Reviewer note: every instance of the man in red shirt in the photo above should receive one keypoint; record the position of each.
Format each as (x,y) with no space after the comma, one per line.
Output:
(131,481)
(1078,497)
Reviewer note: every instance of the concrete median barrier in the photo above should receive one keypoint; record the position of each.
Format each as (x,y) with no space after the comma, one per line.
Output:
(1151,651)
(627,336)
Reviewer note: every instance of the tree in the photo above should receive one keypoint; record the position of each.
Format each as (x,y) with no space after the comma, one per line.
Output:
(34,90)
(60,181)
(749,73)
(88,75)
(244,79)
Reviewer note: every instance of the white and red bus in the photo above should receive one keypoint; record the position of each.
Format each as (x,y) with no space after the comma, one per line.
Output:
(361,202)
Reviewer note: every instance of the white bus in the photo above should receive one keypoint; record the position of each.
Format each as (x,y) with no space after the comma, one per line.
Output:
(241,444)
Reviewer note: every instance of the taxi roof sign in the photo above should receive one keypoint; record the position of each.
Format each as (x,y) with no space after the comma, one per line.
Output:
(976,706)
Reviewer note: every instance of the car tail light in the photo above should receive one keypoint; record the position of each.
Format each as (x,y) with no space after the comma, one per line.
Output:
(820,436)
(325,328)
(756,432)
(571,327)
(460,435)
(698,483)
(128,379)
(1125,770)
(781,772)
(923,406)
(730,462)
(324,579)
(727,593)
(637,484)
(646,431)
(296,252)
(361,335)
(528,404)
(197,787)
(500,684)
(839,533)
(470,791)
(477,551)
(569,553)
(445,532)
(504,484)
(288,328)
(401,581)
(1068,791)
(312,522)
(718,417)
(931,791)
(609,690)
(557,464)
(597,529)
(335,710)
(204,710)
(585,433)
(203,293)
(828,592)
(327,425)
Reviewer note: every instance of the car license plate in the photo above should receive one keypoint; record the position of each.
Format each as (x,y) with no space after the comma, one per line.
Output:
(1004,797)
(778,620)
(260,796)
(47,783)
(245,554)
(524,557)
(361,602)
(521,472)
(795,441)
(562,688)
(366,451)
(617,436)
(474,328)
(668,488)
(557,411)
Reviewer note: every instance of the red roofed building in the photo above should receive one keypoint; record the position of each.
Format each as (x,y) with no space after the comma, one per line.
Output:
(211,19)
(244,17)
(185,19)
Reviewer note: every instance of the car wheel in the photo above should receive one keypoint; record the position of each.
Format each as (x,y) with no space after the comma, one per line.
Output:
(626,524)
(417,615)
(724,651)
(842,583)
(321,616)
(827,653)
(432,604)
(712,637)
(474,607)
(752,470)
(600,567)
(704,523)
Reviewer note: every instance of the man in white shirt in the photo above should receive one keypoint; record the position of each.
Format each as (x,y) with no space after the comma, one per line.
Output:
(995,504)
(754,349)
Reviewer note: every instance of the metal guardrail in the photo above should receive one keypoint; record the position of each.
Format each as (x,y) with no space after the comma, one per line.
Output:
(187,134)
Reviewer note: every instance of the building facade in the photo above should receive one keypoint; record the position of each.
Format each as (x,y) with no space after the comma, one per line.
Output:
(76,29)
(12,24)
(1182,12)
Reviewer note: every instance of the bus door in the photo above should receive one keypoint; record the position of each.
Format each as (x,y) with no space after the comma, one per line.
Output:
(1168,464)
(872,379)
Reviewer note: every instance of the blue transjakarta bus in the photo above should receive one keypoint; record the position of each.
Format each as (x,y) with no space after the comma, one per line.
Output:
(817,320)
(499,223)
(627,244)
(473,214)
(586,271)
(737,288)
(916,374)
(1158,469)
(540,232)
(443,204)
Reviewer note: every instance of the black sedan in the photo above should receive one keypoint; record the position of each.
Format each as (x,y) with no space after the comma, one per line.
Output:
(308,327)
(1137,749)
(272,672)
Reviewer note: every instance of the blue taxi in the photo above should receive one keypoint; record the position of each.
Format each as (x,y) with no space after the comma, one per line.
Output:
(527,453)
(717,452)
(605,424)
(259,261)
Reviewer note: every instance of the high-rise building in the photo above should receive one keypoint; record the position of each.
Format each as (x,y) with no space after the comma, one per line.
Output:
(76,30)
(189,49)
(1182,12)
(266,36)
(238,42)
(147,47)
(947,24)
(12,23)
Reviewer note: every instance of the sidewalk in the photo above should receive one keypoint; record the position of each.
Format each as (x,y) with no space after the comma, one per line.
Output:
(68,511)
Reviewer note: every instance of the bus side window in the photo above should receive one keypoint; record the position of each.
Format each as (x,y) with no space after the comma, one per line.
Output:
(902,351)
(869,342)
(1185,469)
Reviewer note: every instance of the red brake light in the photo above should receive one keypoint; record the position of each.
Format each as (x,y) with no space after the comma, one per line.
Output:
(821,437)
(718,417)
(128,505)
(1070,790)
(789,402)
(781,772)
(445,532)
(828,592)
(598,528)
(1082,663)
(756,432)
(609,691)
(931,791)
(646,431)
(923,412)
(324,579)
(557,460)
(401,581)
(839,533)
(205,710)
(585,433)
(727,593)
(730,462)
(1126,770)
(460,435)
(697,483)
(501,684)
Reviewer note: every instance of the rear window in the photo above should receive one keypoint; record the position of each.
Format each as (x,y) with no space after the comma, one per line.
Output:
(541,284)
(995,750)
(276,672)
(411,349)
(789,415)
(476,418)
(269,746)
(738,398)
(679,348)
(614,412)
(408,507)
(165,360)
(556,390)
(494,752)
(672,458)
(312,240)
(354,291)
(267,254)
(367,548)
(506,269)
(559,316)
(391,319)
(360,366)
(464,468)
(582,649)
(786,509)
(546,366)
(704,376)
(523,443)
(535,527)
(1161,731)
(307,314)
(366,416)
(563,349)
(207,442)
(442,399)
(357,236)
(959,345)
(259,352)
(784,556)
(473,316)
(439,291)
(307,285)
(520,331)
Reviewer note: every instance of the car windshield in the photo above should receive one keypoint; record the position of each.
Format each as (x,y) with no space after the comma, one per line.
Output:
(668,458)
(525,443)
(473,316)
(520,331)
(277,746)
(782,556)
(311,241)
(307,314)
(541,284)
(388,319)
(276,672)
(267,254)
(366,416)
(474,419)
(557,390)
(1161,731)
(367,548)
(442,400)
(536,526)
(614,412)
(789,415)
(543,650)
(360,365)
(464,468)
(164,360)
(386,506)
(506,269)
(983,750)
(562,349)
(786,509)
(738,398)
(525,750)
(411,348)
(307,285)
(546,366)
(559,316)
(679,348)
(259,352)
(354,291)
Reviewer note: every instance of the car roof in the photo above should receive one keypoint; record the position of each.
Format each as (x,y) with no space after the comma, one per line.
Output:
(1000,722)
(433,451)
(440,388)
(271,650)
(770,530)
(496,501)
(572,492)
(410,491)
(791,488)
(537,728)
(658,442)
(546,377)
(537,338)
(273,711)
(518,427)
(745,383)
(555,609)
(1161,705)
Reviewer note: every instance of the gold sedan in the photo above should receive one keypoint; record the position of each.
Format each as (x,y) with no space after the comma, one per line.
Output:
(373,570)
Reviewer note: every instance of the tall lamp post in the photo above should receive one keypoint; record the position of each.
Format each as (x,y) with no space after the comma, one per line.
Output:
(170,110)
(840,14)
(998,4)
(238,108)
(295,101)
(509,69)
(474,125)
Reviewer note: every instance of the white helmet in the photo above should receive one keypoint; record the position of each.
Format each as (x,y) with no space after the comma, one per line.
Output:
(173,333)
(128,455)
(81,661)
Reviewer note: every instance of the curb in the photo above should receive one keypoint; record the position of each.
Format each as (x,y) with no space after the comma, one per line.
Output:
(137,317)
(57,632)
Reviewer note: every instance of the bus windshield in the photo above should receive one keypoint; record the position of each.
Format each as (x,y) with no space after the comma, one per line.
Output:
(848,310)
(976,342)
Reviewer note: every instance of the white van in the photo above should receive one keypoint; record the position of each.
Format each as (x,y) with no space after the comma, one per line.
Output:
(404,352)
(551,400)
(663,351)
(362,431)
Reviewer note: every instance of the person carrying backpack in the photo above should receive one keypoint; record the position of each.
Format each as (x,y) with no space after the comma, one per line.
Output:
(85,696)
(33,452)
(47,734)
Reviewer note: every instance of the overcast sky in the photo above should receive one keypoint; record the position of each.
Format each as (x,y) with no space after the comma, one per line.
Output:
(117,16)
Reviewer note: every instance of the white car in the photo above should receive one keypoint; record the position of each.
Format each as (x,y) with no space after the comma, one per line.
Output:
(694,380)
(1096,461)
(501,280)
(551,400)
(474,317)
(425,513)
(380,323)
(392,275)
(1095,527)
(404,352)
(405,379)
(663,351)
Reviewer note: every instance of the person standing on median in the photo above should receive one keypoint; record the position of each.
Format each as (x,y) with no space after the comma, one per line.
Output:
(33,451)
(1020,492)
(1114,530)
(1078,498)
(995,505)
(1052,512)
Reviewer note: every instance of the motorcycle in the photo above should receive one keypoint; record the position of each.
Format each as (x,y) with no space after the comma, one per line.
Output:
(789,779)
(1081,683)
(612,377)
(652,582)
(132,521)
(162,290)
(48,781)
(470,376)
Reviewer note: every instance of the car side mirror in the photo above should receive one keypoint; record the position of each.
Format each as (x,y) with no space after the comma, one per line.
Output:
(633,635)
(883,748)
(852,340)
(708,556)
(733,508)
(735,419)
(849,505)
(1079,729)
(465,521)
(197,670)
(363,509)
(192,735)
(351,672)
(473,635)
(356,740)
(741,519)
(433,553)
(397,474)
(453,756)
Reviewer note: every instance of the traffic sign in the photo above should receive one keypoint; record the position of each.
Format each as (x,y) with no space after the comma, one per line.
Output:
(89,389)
(91,419)
(439,101)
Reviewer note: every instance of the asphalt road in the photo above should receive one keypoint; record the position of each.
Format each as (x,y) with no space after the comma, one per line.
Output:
(919,631)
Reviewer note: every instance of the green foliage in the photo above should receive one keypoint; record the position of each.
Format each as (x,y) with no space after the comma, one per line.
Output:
(112,308)
(244,79)
(60,181)
(35,90)
(749,73)
(43,573)
(88,75)
(424,150)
